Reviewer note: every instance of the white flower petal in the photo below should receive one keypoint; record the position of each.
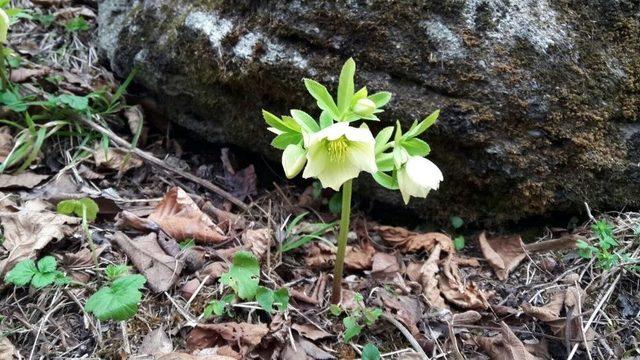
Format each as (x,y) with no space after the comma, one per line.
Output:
(337,174)
(318,160)
(424,172)
(293,159)
(359,135)
(363,156)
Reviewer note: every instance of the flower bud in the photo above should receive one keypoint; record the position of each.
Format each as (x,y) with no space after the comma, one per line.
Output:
(364,107)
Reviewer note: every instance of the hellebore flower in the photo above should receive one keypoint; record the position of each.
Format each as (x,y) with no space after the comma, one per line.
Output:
(338,153)
(417,177)
(4,26)
(364,107)
(293,160)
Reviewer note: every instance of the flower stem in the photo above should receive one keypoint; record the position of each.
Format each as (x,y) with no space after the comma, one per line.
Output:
(342,242)
(3,70)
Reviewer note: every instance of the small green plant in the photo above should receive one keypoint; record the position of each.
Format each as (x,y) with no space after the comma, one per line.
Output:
(335,152)
(291,241)
(45,20)
(87,209)
(244,278)
(43,274)
(458,241)
(356,319)
(77,24)
(370,352)
(119,299)
(604,250)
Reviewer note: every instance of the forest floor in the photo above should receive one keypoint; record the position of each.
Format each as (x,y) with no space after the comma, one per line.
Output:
(205,232)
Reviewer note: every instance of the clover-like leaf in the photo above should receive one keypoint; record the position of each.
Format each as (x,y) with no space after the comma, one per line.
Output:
(118,301)
(243,275)
(370,352)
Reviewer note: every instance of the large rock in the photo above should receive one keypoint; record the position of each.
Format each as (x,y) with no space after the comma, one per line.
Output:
(540,99)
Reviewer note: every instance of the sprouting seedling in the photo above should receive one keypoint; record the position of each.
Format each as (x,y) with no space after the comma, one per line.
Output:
(87,210)
(244,278)
(356,319)
(335,152)
(119,299)
(40,274)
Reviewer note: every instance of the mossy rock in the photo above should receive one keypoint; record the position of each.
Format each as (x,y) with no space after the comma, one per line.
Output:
(540,99)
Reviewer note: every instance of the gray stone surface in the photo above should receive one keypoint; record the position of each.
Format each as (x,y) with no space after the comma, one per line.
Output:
(540,99)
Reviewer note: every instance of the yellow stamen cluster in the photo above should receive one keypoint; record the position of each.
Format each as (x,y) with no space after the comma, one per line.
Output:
(338,149)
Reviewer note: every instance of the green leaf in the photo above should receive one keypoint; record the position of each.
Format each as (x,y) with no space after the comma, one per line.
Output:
(372,315)
(459,242)
(80,103)
(416,147)
(115,271)
(305,120)
(91,208)
(346,86)
(352,328)
(335,310)
(119,301)
(325,119)
(278,123)
(322,96)
(22,273)
(78,23)
(400,156)
(264,297)
(423,125)
(218,307)
(186,244)
(243,275)
(47,264)
(335,203)
(41,280)
(456,222)
(370,352)
(385,162)
(281,299)
(381,98)
(383,138)
(385,180)
(66,207)
(283,140)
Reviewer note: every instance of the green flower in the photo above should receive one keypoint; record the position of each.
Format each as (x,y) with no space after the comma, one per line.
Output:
(339,153)
(4,26)
(417,177)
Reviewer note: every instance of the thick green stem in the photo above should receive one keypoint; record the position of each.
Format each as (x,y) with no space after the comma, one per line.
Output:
(3,70)
(342,242)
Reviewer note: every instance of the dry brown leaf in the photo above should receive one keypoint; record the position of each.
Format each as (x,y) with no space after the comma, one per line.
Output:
(226,220)
(21,75)
(6,142)
(24,180)
(135,118)
(184,356)
(410,241)
(562,243)
(568,327)
(503,253)
(310,331)
(258,241)
(359,257)
(30,229)
(467,317)
(214,271)
(76,263)
(465,295)
(408,310)
(179,216)
(505,346)
(7,350)
(313,351)
(426,276)
(129,220)
(160,269)
(385,266)
(116,159)
(156,343)
(244,335)
(189,288)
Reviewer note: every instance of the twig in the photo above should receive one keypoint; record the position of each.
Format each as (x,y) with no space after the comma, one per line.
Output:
(163,165)
(412,340)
